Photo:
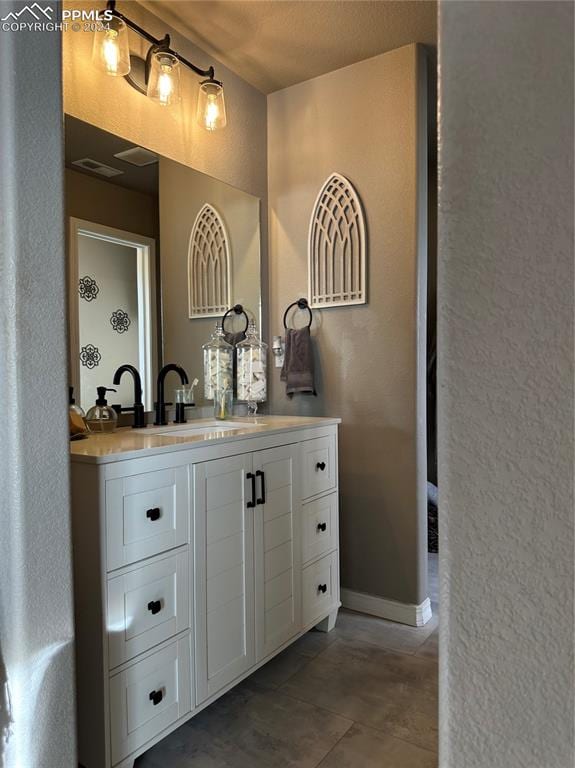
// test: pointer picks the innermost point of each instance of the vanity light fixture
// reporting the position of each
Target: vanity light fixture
(159, 75)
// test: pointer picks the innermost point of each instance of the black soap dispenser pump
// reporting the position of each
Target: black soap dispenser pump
(101, 417)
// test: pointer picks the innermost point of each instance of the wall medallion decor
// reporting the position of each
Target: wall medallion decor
(90, 356)
(209, 266)
(337, 246)
(120, 321)
(88, 288)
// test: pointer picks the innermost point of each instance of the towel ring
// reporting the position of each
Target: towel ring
(239, 310)
(301, 304)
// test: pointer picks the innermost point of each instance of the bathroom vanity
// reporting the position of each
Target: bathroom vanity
(200, 552)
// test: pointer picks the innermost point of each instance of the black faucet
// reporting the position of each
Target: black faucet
(138, 407)
(160, 405)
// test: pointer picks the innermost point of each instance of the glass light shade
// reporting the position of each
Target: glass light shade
(111, 51)
(211, 106)
(164, 79)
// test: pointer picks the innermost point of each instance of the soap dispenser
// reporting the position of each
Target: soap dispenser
(101, 417)
(77, 415)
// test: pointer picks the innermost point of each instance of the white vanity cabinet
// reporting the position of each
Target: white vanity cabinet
(224, 573)
(247, 563)
(195, 563)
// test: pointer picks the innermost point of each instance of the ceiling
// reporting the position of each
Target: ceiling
(83, 140)
(275, 43)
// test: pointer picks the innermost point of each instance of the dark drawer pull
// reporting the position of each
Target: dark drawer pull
(322, 526)
(262, 499)
(322, 588)
(155, 606)
(156, 697)
(153, 514)
(320, 465)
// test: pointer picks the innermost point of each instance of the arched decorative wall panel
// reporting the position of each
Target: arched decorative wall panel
(337, 246)
(209, 265)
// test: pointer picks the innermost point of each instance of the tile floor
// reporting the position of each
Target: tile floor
(362, 696)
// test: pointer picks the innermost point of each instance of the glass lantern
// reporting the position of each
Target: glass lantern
(111, 49)
(252, 369)
(218, 364)
(211, 111)
(164, 80)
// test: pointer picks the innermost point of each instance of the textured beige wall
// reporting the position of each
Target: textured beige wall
(361, 121)
(505, 308)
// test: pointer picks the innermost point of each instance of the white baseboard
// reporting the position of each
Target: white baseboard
(404, 613)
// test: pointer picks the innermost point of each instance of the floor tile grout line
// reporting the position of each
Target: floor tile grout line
(433, 752)
(405, 741)
(277, 686)
(355, 722)
(393, 735)
(328, 753)
(322, 709)
(309, 704)
(386, 649)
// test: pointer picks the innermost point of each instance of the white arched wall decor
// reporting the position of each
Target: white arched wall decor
(209, 265)
(337, 246)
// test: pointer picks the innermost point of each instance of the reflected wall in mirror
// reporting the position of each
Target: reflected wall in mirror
(157, 251)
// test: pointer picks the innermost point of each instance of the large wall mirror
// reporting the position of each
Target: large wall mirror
(158, 252)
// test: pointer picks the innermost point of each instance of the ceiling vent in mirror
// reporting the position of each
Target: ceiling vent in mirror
(137, 156)
(95, 167)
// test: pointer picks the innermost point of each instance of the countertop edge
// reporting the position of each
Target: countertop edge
(128, 455)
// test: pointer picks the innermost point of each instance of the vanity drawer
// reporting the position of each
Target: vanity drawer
(148, 697)
(146, 606)
(145, 515)
(319, 466)
(320, 588)
(319, 527)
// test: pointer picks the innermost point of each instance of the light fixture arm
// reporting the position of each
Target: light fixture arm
(161, 44)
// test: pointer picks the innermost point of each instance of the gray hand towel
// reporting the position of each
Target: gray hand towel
(297, 371)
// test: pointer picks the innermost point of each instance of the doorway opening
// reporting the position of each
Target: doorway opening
(112, 299)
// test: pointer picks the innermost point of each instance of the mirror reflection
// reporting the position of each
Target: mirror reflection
(158, 252)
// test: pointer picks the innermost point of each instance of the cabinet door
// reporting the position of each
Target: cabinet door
(224, 571)
(277, 547)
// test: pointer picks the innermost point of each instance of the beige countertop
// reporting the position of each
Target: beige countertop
(128, 443)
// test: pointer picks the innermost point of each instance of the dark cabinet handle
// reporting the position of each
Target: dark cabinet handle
(154, 606)
(322, 588)
(156, 697)
(322, 526)
(153, 514)
(252, 477)
(262, 499)
(320, 465)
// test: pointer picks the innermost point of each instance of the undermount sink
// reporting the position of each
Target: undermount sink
(191, 430)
